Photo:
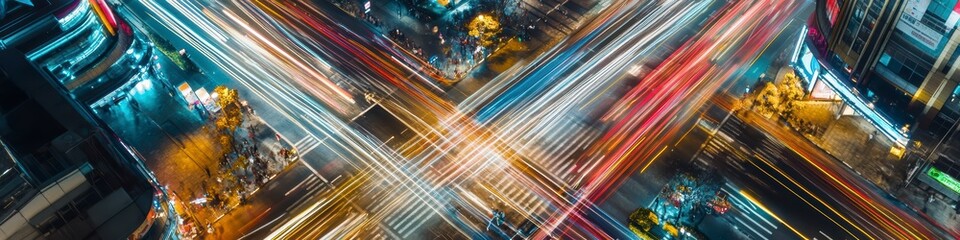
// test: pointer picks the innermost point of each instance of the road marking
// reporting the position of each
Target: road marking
(315, 172)
(825, 235)
(312, 187)
(309, 148)
(770, 43)
(308, 179)
(420, 218)
(303, 198)
(264, 225)
(758, 224)
(737, 165)
(307, 144)
(749, 208)
(751, 228)
(301, 141)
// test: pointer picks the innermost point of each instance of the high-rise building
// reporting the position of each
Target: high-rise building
(63, 174)
(901, 56)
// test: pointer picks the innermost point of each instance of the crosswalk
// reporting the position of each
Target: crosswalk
(413, 213)
(306, 144)
(554, 150)
(555, 18)
(408, 218)
(772, 150)
(745, 215)
(312, 185)
(715, 148)
(520, 196)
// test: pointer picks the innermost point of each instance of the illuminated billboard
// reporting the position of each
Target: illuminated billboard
(911, 25)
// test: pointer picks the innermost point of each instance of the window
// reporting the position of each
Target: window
(43, 165)
(857, 46)
(885, 59)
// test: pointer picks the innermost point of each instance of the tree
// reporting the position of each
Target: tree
(231, 115)
(226, 142)
(167, 49)
(642, 220)
(779, 99)
(791, 90)
(485, 28)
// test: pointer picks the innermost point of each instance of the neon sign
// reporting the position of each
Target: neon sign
(944, 179)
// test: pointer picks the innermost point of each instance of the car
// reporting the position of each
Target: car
(719, 203)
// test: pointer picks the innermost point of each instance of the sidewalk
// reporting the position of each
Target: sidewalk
(849, 138)
(855, 142)
(932, 205)
(172, 139)
(451, 56)
(181, 147)
(227, 182)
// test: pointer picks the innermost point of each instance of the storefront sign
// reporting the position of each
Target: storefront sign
(833, 9)
(911, 26)
(944, 179)
(807, 65)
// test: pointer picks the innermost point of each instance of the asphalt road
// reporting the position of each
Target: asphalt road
(738, 150)
(310, 76)
(797, 188)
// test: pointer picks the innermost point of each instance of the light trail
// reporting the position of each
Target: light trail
(354, 146)
(890, 218)
(514, 128)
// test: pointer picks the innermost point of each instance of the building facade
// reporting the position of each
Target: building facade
(901, 56)
(63, 174)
